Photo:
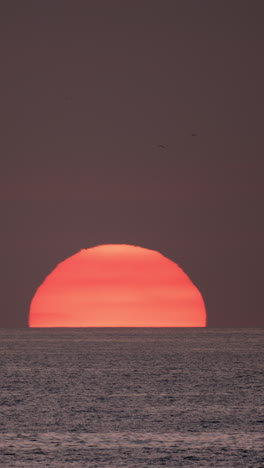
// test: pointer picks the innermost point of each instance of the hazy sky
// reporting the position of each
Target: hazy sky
(89, 89)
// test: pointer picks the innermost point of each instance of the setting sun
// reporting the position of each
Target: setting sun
(117, 286)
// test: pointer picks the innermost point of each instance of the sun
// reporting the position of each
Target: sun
(117, 286)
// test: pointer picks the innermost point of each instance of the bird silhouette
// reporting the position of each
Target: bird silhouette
(162, 146)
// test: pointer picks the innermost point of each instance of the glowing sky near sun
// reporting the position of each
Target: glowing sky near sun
(117, 286)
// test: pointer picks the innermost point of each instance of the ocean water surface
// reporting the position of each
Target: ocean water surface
(121, 397)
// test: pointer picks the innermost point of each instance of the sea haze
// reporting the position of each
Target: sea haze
(131, 397)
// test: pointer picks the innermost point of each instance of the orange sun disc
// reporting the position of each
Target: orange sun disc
(117, 286)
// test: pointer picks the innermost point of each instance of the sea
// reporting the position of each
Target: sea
(131, 397)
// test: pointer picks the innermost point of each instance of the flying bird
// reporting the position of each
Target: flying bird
(194, 134)
(162, 146)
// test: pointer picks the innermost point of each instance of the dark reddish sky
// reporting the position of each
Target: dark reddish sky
(88, 91)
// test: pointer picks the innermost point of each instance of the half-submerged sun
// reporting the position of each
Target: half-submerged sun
(117, 286)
